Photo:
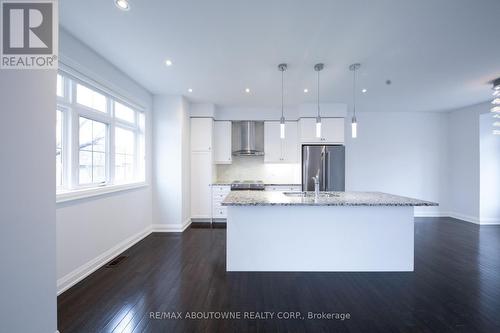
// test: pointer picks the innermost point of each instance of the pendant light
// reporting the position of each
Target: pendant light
(318, 68)
(282, 68)
(496, 107)
(354, 123)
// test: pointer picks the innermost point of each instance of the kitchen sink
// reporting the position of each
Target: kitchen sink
(310, 194)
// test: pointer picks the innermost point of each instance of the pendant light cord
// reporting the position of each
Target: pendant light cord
(318, 93)
(282, 92)
(354, 93)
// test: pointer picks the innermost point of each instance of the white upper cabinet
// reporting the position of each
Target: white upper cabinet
(222, 142)
(332, 130)
(201, 134)
(291, 145)
(277, 150)
(272, 142)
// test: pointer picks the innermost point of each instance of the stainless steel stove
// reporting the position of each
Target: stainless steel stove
(247, 185)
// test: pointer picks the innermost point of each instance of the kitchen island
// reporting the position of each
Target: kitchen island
(334, 232)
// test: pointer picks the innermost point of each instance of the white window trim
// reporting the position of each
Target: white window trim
(71, 189)
(70, 195)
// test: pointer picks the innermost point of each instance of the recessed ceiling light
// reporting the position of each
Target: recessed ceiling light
(190, 90)
(306, 91)
(247, 90)
(168, 62)
(364, 91)
(122, 4)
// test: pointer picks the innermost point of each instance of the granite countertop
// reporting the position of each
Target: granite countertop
(274, 198)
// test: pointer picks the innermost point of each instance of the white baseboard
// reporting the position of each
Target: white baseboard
(172, 227)
(490, 221)
(463, 217)
(430, 214)
(72, 278)
(459, 216)
(474, 219)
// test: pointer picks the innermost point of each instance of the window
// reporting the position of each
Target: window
(90, 98)
(60, 86)
(100, 139)
(124, 155)
(59, 150)
(141, 153)
(124, 113)
(92, 152)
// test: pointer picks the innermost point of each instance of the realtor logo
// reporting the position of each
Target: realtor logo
(29, 34)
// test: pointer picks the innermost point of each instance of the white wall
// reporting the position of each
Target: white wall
(27, 207)
(202, 110)
(463, 167)
(171, 211)
(92, 231)
(401, 153)
(489, 171)
(186, 163)
(75, 54)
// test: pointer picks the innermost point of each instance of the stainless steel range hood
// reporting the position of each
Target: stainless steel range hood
(248, 138)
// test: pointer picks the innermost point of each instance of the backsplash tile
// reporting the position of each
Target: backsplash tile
(254, 168)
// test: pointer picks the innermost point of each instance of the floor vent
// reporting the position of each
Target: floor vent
(116, 262)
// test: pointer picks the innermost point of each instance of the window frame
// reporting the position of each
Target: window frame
(71, 113)
(63, 149)
(134, 156)
(77, 151)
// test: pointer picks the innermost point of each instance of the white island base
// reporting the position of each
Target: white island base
(320, 238)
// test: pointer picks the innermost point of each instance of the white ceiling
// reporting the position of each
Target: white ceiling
(438, 54)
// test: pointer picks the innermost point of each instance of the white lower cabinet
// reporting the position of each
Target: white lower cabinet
(219, 193)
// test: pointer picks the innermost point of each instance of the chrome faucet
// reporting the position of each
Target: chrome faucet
(316, 186)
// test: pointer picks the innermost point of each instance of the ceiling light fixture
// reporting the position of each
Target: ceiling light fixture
(496, 106)
(306, 91)
(247, 90)
(168, 62)
(364, 91)
(318, 68)
(282, 68)
(354, 123)
(122, 4)
(190, 90)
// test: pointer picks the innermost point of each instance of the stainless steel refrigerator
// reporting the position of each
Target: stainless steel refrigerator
(327, 162)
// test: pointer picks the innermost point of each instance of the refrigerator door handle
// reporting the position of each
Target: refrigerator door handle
(323, 166)
(326, 171)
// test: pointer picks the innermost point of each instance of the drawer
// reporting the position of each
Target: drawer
(219, 213)
(218, 196)
(284, 188)
(221, 189)
(217, 203)
(272, 188)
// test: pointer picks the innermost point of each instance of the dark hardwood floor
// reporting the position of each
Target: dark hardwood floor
(455, 288)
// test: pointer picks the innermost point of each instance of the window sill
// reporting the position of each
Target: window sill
(71, 195)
